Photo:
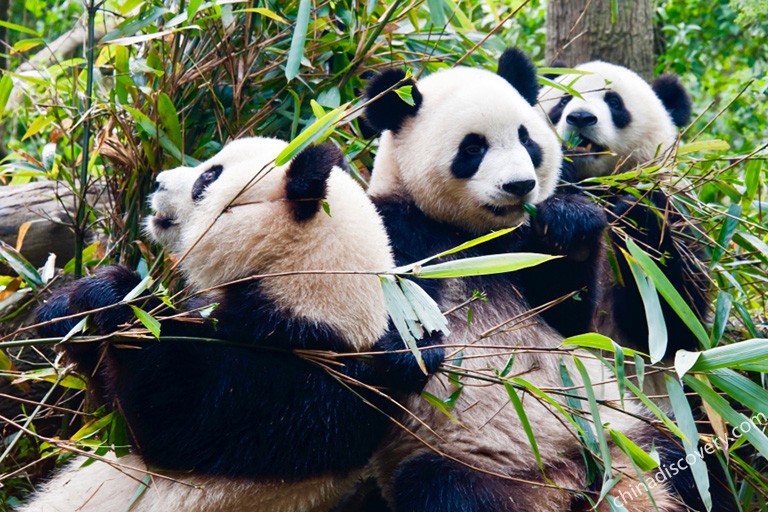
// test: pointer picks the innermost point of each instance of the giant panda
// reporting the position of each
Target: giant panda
(250, 423)
(460, 159)
(617, 123)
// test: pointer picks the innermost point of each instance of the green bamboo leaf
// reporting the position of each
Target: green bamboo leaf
(581, 426)
(687, 424)
(722, 313)
(668, 291)
(70, 381)
(644, 461)
(703, 145)
(523, 417)
(602, 441)
(135, 24)
(5, 361)
(751, 243)
(439, 405)
(752, 181)
(743, 425)
(138, 289)
(657, 327)
(169, 118)
(143, 486)
(585, 431)
(150, 322)
(733, 356)
(437, 13)
(20, 265)
(18, 28)
(483, 265)
(146, 125)
(296, 53)
(6, 86)
(727, 230)
(192, 8)
(597, 341)
(311, 134)
(264, 12)
(458, 248)
(92, 427)
(741, 389)
(405, 93)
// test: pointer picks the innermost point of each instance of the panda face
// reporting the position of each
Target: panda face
(189, 200)
(473, 154)
(618, 122)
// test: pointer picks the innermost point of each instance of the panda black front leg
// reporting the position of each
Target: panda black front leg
(571, 226)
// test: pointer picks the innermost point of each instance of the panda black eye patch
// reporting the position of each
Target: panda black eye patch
(204, 180)
(472, 149)
(619, 113)
(533, 149)
(557, 111)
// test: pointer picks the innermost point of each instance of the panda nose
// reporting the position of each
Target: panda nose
(519, 188)
(581, 118)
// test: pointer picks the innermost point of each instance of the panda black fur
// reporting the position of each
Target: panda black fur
(458, 163)
(619, 113)
(251, 429)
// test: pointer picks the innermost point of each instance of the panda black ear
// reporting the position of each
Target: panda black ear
(308, 177)
(390, 111)
(516, 68)
(675, 98)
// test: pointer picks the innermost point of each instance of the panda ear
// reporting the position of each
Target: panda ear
(516, 68)
(675, 98)
(308, 177)
(389, 112)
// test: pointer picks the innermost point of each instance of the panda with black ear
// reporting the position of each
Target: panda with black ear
(250, 423)
(462, 160)
(620, 122)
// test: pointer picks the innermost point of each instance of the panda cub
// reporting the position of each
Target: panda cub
(618, 123)
(464, 159)
(250, 423)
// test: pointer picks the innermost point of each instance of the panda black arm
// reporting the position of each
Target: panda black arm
(256, 407)
(649, 225)
(571, 226)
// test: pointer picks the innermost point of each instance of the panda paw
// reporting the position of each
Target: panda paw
(109, 286)
(400, 370)
(569, 225)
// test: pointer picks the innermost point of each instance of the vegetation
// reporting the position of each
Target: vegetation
(169, 82)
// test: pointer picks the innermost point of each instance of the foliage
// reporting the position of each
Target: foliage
(173, 81)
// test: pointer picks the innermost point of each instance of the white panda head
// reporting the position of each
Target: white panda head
(620, 120)
(237, 215)
(471, 150)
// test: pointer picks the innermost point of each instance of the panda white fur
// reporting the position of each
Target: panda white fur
(458, 163)
(618, 123)
(249, 429)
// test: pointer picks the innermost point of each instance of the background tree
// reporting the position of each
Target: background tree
(619, 32)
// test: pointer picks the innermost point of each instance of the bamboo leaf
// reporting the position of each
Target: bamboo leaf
(734, 355)
(138, 289)
(523, 417)
(727, 230)
(296, 53)
(439, 405)
(311, 134)
(6, 86)
(597, 341)
(169, 118)
(703, 145)
(426, 309)
(150, 322)
(687, 424)
(657, 327)
(404, 318)
(267, 13)
(483, 265)
(602, 441)
(644, 461)
(92, 427)
(741, 389)
(458, 248)
(18, 28)
(722, 312)
(668, 291)
(684, 361)
(20, 265)
(436, 13)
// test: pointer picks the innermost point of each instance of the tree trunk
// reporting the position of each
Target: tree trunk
(579, 31)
